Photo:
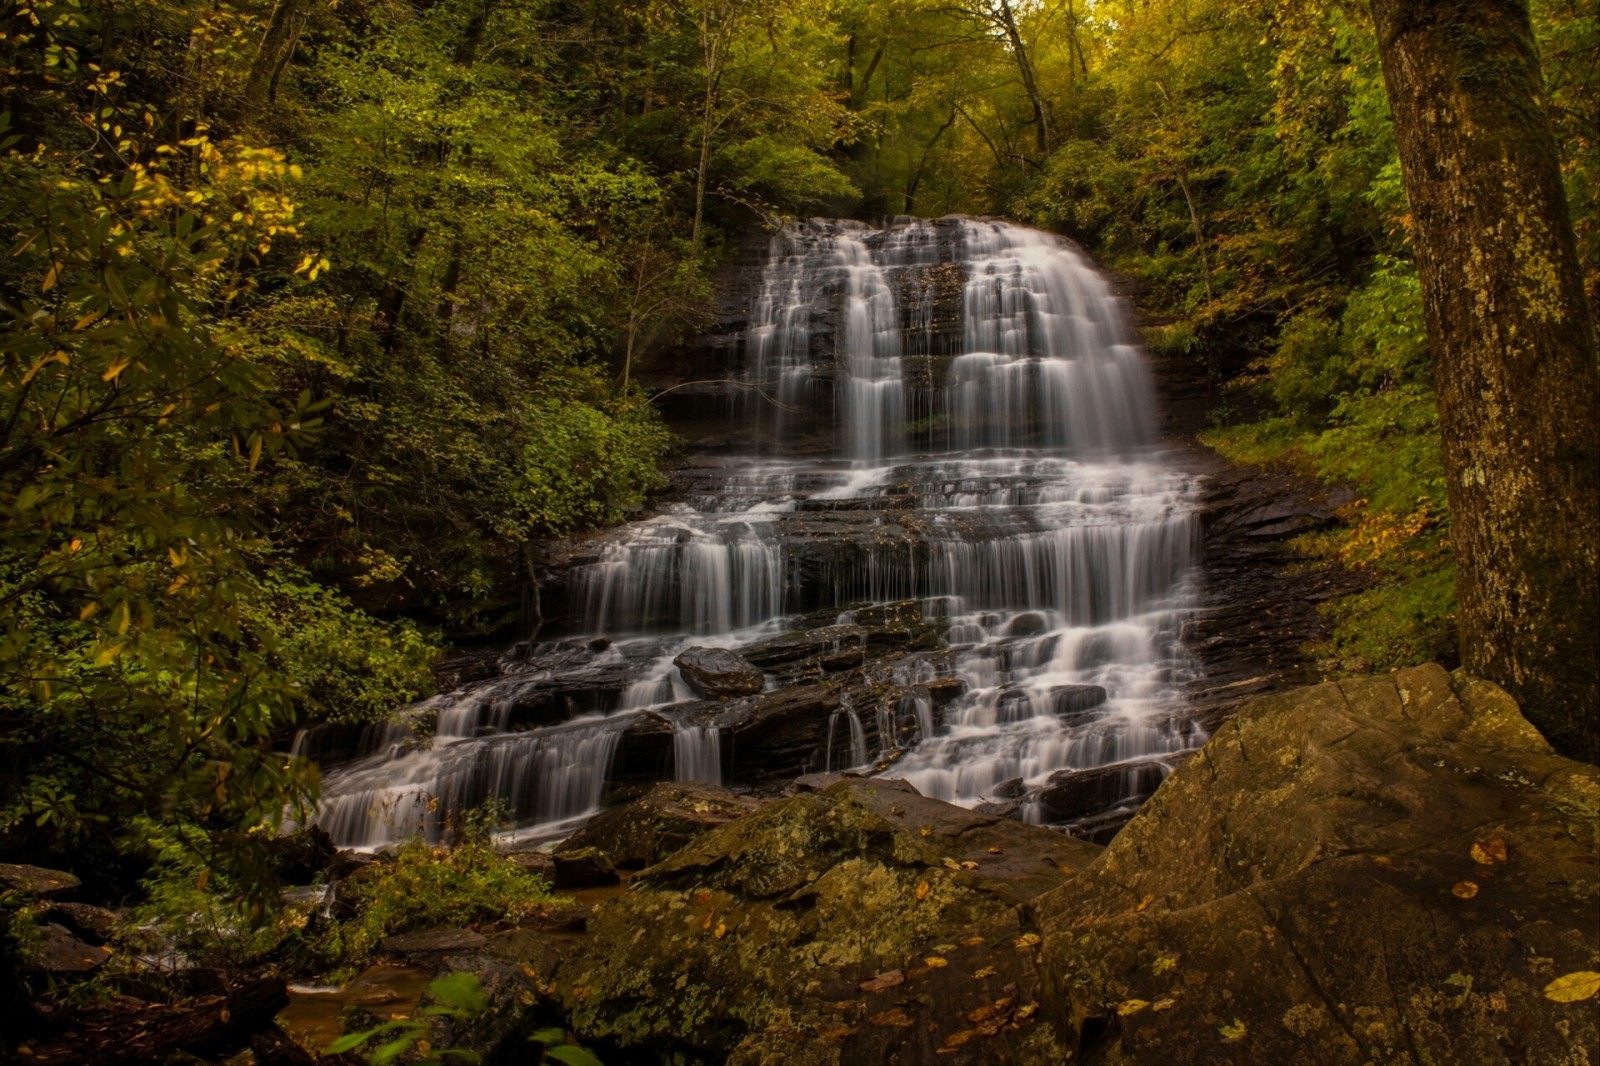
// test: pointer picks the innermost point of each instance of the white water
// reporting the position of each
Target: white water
(1002, 470)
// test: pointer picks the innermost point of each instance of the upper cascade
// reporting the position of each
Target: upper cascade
(953, 521)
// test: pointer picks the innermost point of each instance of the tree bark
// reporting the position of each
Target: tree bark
(1043, 126)
(1513, 350)
(283, 30)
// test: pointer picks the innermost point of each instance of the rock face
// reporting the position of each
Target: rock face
(854, 924)
(1393, 869)
(666, 818)
(1384, 870)
(715, 672)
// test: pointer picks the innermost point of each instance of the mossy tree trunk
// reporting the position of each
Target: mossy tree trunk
(1513, 348)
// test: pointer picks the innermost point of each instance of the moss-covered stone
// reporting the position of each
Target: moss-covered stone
(1389, 869)
(846, 925)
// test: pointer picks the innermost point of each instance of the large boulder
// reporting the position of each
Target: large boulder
(1394, 869)
(717, 672)
(861, 923)
(669, 816)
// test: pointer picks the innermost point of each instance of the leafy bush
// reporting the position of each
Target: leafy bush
(425, 887)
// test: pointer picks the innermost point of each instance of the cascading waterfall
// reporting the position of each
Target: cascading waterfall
(994, 459)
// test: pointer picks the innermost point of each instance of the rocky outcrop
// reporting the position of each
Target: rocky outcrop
(853, 924)
(1395, 869)
(666, 818)
(717, 672)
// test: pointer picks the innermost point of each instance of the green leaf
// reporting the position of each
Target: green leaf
(572, 1055)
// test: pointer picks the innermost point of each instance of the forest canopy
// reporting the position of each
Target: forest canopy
(319, 317)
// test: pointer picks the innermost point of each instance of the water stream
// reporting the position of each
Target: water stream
(988, 461)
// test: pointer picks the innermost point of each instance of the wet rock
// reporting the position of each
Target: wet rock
(1074, 702)
(55, 951)
(431, 942)
(36, 880)
(669, 816)
(862, 923)
(583, 867)
(714, 672)
(535, 862)
(797, 647)
(1069, 795)
(1390, 869)
(94, 924)
(300, 857)
(1028, 624)
(818, 782)
(1006, 790)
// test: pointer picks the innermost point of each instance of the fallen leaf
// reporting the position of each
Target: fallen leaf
(710, 914)
(997, 850)
(1464, 889)
(844, 1005)
(1231, 1033)
(1131, 1006)
(893, 1016)
(1026, 940)
(1163, 964)
(972, 941)
(837, 1034)
(1491, 852)
(951, 864)
(1164, 1004)
(987, 971)
(922, 890)
(1383, 860)
(955, 1040)
(934, 962)
(1143, 903)
(1573, 987)
(944, 949)
(884, 980)
(1026, 1011)
(925, 831)
(721, 930)
(969, 865)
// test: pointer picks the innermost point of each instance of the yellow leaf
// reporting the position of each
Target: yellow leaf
(1464, 889)
(1231, 1033)
(972, 941)
(1163, 1004)
(969, 865)
(1489, 852)
(1026, 940)
(50, 277)
(922, 890)
(88, 611)
(107, 654)
(255, 451)
(74, 544)
(721, 930)
(1131, 1006)
(987, 971)
(996, 850)
(1573, 987)
(1143, 903)
(1163, 964)
(115, 370)
(925, 831)
(935, 962)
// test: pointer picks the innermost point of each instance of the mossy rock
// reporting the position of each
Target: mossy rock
(848, 925)
(1391, 869)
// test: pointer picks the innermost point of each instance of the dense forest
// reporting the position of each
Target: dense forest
(321, 318)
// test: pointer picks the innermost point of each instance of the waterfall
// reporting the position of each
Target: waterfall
(951, 413)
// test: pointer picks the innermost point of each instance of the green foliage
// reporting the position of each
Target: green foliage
(556, 1048)
(455, 995)
(425, 887)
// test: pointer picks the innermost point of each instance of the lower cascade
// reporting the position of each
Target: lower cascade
(940, 525)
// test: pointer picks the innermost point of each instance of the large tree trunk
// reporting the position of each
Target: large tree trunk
(1513, 351)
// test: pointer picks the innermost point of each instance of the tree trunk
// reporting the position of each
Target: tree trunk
(1042, 124)
(283, 30)
(1513, 351)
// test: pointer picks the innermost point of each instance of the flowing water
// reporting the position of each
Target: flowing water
(949, 413)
